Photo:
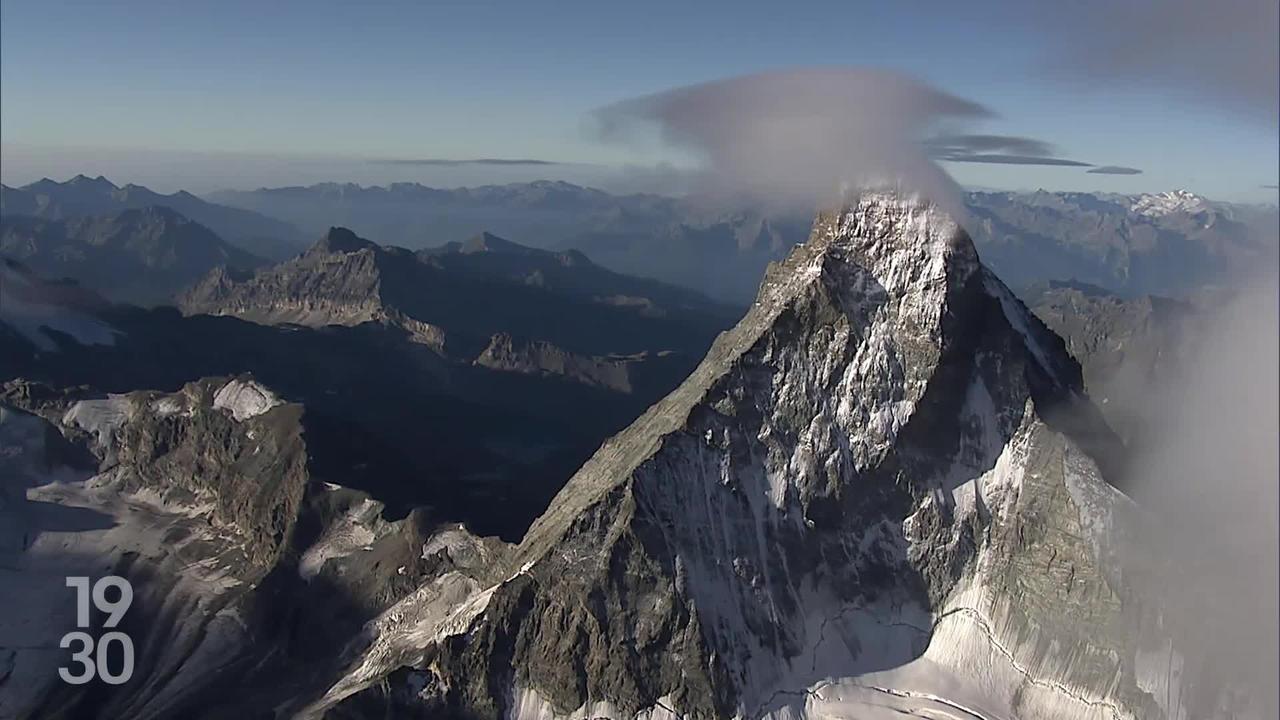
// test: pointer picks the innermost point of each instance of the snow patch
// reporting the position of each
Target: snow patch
(100, 418)
(1167, 203)
(528, 704)
(23, 308)
(352, 531)
(245, 399)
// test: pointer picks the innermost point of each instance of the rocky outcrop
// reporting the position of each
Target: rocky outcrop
(470, 290)
(336, 282)
(248, 576)
(542, 358)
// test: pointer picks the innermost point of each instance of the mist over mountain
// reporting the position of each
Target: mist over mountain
(1130, 348)
(83, 196)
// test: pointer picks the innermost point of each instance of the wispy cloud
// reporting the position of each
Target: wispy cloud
(1114, 170)
(1001, 159)
(1225, 51)
(445, 162)
(996, 149)
(990, 143)
(1270, 187)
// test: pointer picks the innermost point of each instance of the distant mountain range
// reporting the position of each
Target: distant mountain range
(466, 293)
(83, 196)
(720, 253)
(139, 255)
(1169, 243)
(486, 371)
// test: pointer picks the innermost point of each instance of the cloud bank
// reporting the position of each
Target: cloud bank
(1000, 159)
(1209, 477)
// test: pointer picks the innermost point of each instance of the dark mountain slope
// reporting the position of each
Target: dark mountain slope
(143, 256)
(469, 292)
(82, 196)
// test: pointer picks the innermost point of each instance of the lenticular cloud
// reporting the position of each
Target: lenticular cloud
(798, 136)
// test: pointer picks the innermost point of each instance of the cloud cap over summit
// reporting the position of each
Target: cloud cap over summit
(797, 136)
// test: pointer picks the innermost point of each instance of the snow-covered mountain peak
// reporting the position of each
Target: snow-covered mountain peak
(884, 469)
(1172, 201)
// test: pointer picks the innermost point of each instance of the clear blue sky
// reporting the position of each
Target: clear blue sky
(416, 79)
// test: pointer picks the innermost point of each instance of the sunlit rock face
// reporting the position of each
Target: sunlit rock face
(879, 492)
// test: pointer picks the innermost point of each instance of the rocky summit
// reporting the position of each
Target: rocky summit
(879, 493)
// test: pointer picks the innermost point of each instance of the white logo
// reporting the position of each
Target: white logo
(98, 664)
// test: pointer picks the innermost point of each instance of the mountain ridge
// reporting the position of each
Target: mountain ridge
(80, 196)
(143, 255)
(346, 280)
(849, 459)
(1025, 237)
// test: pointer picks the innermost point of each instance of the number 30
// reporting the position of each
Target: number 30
(91, 666)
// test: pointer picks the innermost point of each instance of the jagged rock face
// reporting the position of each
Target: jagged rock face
(875, 487)
(190, 502)
(337, 282)
(249, 577)
(542, 358)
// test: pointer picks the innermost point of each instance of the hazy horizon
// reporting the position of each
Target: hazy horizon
(238, 172)
(240, 96)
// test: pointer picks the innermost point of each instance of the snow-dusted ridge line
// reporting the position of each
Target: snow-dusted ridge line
(883, 229)
(1169, 202)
